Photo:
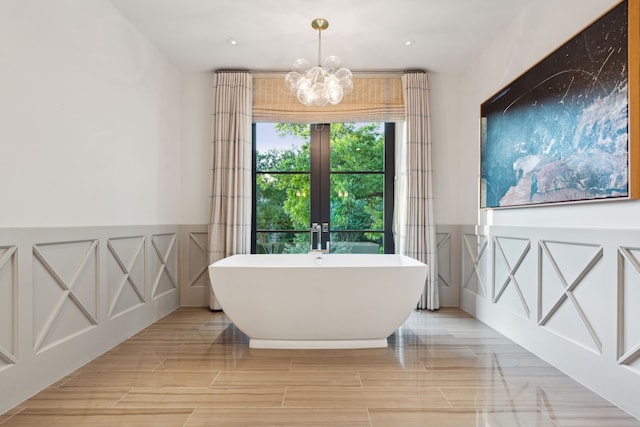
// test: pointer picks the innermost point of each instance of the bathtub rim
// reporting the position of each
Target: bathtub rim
(398, 260)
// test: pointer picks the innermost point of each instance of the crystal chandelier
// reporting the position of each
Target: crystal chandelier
(326, 83)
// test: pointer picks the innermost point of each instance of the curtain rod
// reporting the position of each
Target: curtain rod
(222, 70)
(274, 73)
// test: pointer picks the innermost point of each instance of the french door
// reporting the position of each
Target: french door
(339, 176)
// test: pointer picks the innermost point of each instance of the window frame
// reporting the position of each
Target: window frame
(320, 176)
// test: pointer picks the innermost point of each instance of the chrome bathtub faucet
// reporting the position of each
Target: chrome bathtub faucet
(317, 230)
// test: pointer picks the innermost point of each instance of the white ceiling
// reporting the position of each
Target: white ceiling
(366, 34)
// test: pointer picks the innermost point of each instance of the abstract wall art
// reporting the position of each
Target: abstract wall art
(564, 131)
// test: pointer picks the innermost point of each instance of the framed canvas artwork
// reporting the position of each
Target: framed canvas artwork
(566, 129)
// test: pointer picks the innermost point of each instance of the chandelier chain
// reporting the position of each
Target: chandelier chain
(319, 46)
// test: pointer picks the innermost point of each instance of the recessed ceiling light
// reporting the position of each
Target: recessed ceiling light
(409, 42)
(232, 41)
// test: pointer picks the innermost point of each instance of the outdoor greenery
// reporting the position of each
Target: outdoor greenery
(356, 198)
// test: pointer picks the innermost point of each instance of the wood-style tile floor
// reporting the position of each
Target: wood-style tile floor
(194, 368)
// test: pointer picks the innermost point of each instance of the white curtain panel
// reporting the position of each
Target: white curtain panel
(231, 150)
(414, 226)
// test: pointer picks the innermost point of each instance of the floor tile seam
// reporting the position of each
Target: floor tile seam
(466, 369)
(399, 370)
(408, 387)
(459, 409)
(280, 372)
(445, 397)
(11, 416)
(369, 389)
(177, 371)
(160, 363)
(496, 407)
(186, 422)
(115, 404)
(68, 378)
(56, 413)
(559, 419)
(194, 408)
(369, 407)
(199, 389)
(547, 417)
(299, 386)
(198, 405)
(508, 394)
(471, 387)
(359, 375)
(222, 406)
(369, 417)
(284, 397)
(214, 379)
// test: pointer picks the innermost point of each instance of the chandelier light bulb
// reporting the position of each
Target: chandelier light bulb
(326, 83)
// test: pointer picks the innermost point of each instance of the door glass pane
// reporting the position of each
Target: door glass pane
(282, 147)
(357, 242)
(357, 202)
(282, 201)
(282, 243)
(357, 147)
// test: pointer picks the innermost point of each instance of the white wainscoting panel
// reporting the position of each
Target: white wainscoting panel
(474, 264)
(445, 281)
(568, 284)
(198, 265)
(198, 260)
(194, 262)
(65, 289)
(448, 244)
(514, 268)
(571, 296)
(8, 306)
(164, 264)
(629, 307)
(125, 274)
(69, 294)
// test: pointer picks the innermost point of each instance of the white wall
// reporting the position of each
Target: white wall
(90, 113)
(446, 112)
(197, 105)
(89, 188)
(560, 280)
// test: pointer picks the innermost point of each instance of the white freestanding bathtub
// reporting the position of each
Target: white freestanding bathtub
(318, 300)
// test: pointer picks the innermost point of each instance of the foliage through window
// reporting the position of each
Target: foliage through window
(340, 175)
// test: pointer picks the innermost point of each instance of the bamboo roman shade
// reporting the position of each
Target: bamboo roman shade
(373, 99)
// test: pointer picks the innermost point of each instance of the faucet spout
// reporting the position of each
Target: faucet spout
(316, 229)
